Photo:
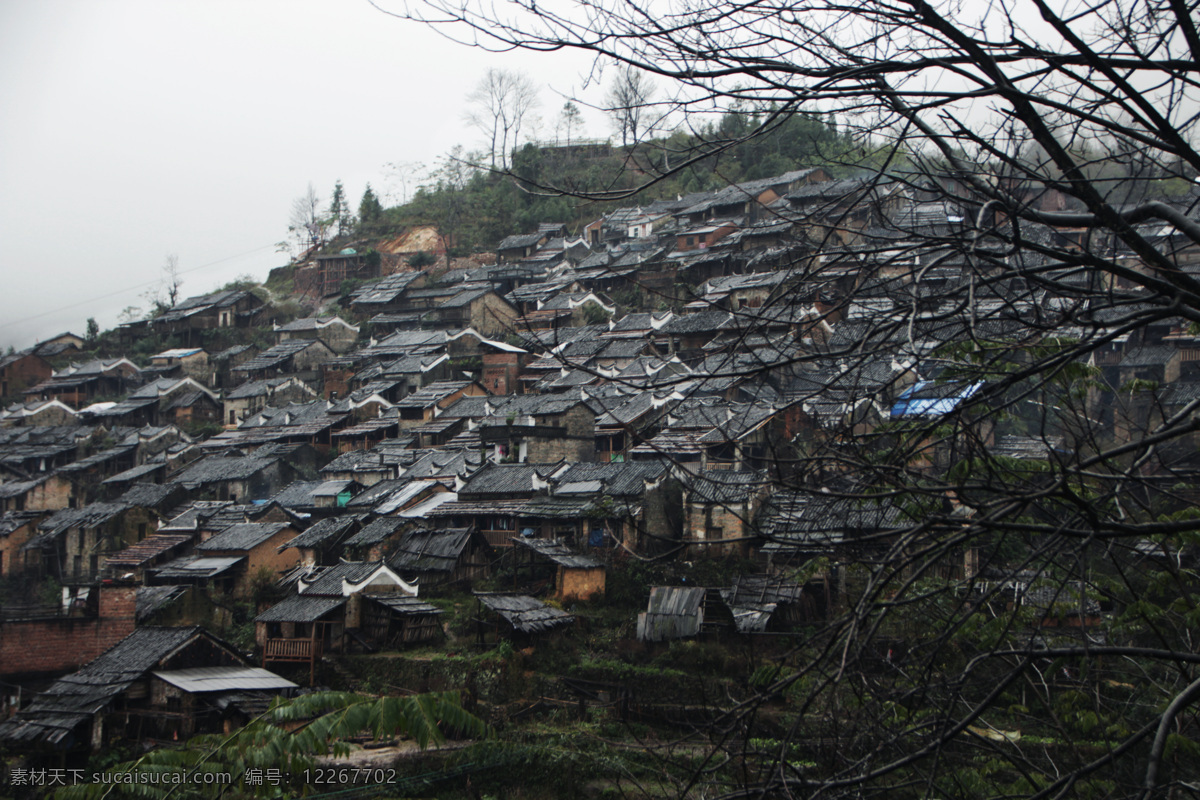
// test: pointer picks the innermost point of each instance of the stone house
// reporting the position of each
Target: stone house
(335, 332)
(412, 372)
(39, 413)
(16, 528)
(72, 544)
(260, 545)
(719, 507)
(519, 246)
(541, 429)
(191, 361)
(160, 402)
(426, 404)
(480, 309)
(233, 308)
(300, 357)
(253, 396)
(223, 362)
(80, 384)
(322, 542)
(387, 295)
(232, 477)
(19, 371)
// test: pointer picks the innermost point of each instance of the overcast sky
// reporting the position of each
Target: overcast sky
(133, 130)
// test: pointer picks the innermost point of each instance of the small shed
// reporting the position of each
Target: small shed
(526, 616)
(762, 603)
(674, 612)
(576, 577)
(395, 620)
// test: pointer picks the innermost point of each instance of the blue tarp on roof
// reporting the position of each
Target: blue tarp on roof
(929, 399)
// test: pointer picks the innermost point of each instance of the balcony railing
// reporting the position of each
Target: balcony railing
(305, 650)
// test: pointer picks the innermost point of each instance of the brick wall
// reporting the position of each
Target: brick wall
(51, 495)
(580, 584)
(59, 645)
(579, 443)
(500, 371)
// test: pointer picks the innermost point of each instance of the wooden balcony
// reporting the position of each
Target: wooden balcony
(298, 650)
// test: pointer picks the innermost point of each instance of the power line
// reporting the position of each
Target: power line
(126, 290)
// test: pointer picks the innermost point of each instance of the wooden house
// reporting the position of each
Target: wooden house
(517, 617)
(575, 576)
(441, 558)
(157, 685)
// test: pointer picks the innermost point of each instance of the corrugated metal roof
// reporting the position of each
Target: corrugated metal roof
(197, 567)
(753, 599)
(221, 679)
(673, 612)
(405, 494)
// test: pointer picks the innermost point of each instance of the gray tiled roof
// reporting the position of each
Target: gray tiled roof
(504, 479)
(71, 701)
(558, 552)
(278, 354)
(325, 532)
(214, 469)
(375, 532)
(723, 486)
(526, 614)
(243, 536)
(430, 550)
(327, 581)
(300, 608)
(619, 479)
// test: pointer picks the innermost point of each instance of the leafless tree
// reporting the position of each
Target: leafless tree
(629, 103)
(1045, 152)
(500, 107)
(307, 222)
(165, 295)
(172, 283)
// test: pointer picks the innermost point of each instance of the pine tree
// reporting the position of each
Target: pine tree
(370, 213)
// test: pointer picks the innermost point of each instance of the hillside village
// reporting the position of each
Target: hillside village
(644, 431)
